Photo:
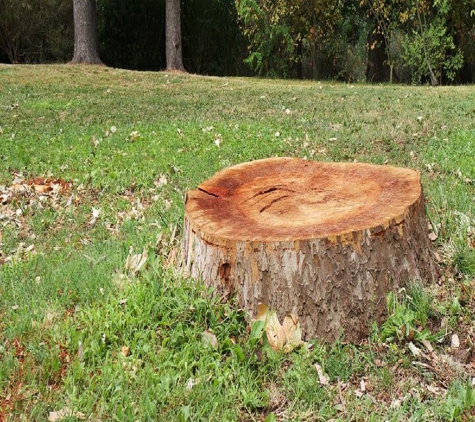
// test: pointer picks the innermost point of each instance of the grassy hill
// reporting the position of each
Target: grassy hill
(94, 166)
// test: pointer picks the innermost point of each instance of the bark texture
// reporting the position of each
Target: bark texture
(174, 53)
(323, 241)
(86, 46)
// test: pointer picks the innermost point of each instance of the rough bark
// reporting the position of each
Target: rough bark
(323, 241)
(86, 46)
(174, 52)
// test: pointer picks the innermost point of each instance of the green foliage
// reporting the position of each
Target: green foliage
(464, 261)
(459, 401)
(44, 37)
(432, 46)
(408, 315)
(272, 42)
(283, 34)
(423, 38)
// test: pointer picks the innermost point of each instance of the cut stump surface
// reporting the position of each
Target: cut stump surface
(323, 241)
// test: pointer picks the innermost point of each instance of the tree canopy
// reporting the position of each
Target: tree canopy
(415, 41)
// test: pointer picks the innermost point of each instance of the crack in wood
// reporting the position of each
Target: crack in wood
(208, 193)
(266, 192)
(273, 202)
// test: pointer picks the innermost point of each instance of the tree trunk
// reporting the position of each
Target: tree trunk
(173, 36)
(86, 45)
(377, 69)
(323, 241)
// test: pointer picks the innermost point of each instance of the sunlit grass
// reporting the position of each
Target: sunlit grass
(79, 331)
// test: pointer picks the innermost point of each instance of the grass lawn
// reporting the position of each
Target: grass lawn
(94, 166)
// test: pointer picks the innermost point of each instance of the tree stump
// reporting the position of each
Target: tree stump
(323, 241)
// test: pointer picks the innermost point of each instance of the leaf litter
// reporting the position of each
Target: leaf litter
(286, 336)
(26, 196)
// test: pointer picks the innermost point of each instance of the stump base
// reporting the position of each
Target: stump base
(323, 241)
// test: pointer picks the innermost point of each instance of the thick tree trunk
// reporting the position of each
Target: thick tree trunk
(173, 36)
(323, 241)
(86, 47)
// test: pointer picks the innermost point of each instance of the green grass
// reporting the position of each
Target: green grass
(78, 330)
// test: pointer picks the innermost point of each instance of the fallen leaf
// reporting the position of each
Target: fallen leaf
(273, 328)
(322, 377)
(161, 181)
(96, 212)
(191, 383)
(292, 333)
(135, 262)
(435, 390)
(210, 338)
(80, 351)
(286, 336)
(432, 236)
(427, 345)
(65, 413)
(455, 342)
(414, 349)
(125, 351)
(133, 136)
(395, 404)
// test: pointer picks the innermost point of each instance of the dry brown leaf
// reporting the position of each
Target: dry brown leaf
(292, 332)
(322, 377)
(262, 310)
(427, 345)
(64, 413)
(455, 342)
(414, 349)
(135, 262)
(275, 332)
(210, 338)
(286, 336)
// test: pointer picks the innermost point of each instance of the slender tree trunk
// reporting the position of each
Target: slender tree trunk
(174, 51)
(433, 78)
(86, 45)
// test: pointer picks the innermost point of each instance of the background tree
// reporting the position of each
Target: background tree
(45, 36)
(132, 33)
(319, 39)
(280, 31)
(461, 19)
(271, 37)
(429, 46)
(385, 20)
(86, 46)
(174, 48)
(212, 41)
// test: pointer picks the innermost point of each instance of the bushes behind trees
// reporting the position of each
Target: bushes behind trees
(353, 40)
